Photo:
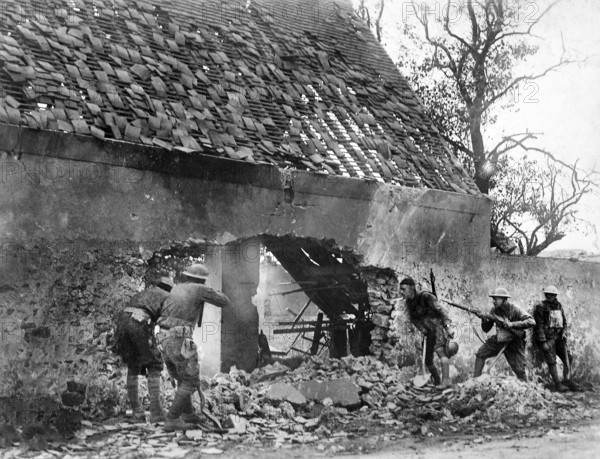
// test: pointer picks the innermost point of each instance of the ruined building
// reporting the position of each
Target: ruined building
(137, 134)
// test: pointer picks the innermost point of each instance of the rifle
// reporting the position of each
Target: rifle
(432, 280)
(482, 315)
(477, 312)
(474, 311)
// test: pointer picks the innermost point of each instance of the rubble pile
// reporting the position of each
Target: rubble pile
(349, 383)
(323, 402)
(497, 399)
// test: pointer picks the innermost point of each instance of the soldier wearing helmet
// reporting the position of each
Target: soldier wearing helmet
(549, 335)
(511, 323)
(136, 344)
(182, 310)
(431, 319)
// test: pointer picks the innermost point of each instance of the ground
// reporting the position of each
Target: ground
(360, 433)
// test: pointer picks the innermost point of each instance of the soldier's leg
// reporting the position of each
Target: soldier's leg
(490, 348)
(562, 352)
(133, 372)
(445, 367)
(188, 372)
(430, 343)
(192, 374)
(151, 357)
(515, 356)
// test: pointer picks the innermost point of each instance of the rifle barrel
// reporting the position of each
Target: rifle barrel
(460, 306)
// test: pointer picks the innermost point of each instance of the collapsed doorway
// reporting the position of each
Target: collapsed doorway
(330, 280)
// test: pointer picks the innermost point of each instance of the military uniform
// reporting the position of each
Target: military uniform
(431, 319)
(134, 334)
(513, 338)
(182, 310)
(549, 335)
(136, 344)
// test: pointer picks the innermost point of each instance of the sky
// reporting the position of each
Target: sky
(564, 106)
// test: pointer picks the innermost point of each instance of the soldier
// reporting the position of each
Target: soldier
(431, 319)
(136, 344)
(549, 334)
(511, 323)
(182, 310)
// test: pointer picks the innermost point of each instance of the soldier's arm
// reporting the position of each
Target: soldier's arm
(216, 298)
(538, 316)
(523, 320)
(486, 324)
(439, 310)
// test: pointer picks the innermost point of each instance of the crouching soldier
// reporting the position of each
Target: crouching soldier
(511, 323)
(136, 344)
(431, 319)
(549, 334)
(182, 310)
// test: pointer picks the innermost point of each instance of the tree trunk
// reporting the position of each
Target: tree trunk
(482, 179)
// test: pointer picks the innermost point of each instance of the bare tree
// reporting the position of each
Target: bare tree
(364, 12)
(477, 61)
(466, 78)
(536, 205)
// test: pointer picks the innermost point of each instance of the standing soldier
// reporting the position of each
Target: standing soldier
(182, 310)
(549, 334)
(136, 344)
(511, 323)
(431, 319)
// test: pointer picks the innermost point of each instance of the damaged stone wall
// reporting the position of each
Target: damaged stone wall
(57, 300)
(93, 226)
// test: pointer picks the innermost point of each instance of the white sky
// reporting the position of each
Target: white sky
(565, 105)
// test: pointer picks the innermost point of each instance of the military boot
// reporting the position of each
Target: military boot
(445, 376)
(560, 387)
(435, 375)
(173, 420)
(156, 412)
(189, 414)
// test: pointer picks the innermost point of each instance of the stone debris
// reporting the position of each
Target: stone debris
(320, 402)
(342, 392)
(284, 392)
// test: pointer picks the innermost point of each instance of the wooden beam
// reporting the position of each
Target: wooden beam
(317, 335)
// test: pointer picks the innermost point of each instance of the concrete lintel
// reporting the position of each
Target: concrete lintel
(61, 145)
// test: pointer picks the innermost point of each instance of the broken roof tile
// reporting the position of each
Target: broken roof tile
(255, 80)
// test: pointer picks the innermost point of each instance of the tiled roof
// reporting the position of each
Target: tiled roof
(302, 85)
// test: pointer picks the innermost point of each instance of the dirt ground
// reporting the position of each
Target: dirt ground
(581, 441)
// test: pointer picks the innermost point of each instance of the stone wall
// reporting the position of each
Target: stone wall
(56, 305)
(524, 278)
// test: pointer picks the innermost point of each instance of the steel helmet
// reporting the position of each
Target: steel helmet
(451, 348)
(197, 271)
(551, 289)
(500, 292)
